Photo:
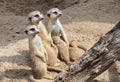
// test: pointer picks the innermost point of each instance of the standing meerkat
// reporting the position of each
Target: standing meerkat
(74, 51)
(38, 55)
(37, 52)
(35, 18)
(63, 49)
(54, 26)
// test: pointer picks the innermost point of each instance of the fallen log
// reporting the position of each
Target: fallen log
(94, 61)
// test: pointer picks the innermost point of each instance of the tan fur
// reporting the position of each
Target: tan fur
(52, 51)
(51, 68)
(52, 57)
(62, 49)
(47, 41)
(53, 25)
(74, 51)
(37, 52)
(81, 46)
(32, 79)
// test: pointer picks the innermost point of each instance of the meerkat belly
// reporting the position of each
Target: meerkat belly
(39, 68)
(38, 44)
(55, 30)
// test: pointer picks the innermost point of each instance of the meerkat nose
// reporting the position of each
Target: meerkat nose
(41, 18)
(37, 32)
(59, 15)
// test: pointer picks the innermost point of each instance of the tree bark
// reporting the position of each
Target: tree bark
(94, 61)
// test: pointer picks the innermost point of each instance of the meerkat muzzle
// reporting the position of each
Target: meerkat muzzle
(37, 32)
(41, 18)
(59, 15)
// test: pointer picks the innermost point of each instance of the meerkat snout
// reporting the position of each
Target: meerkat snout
(35, 16)
(54, 13)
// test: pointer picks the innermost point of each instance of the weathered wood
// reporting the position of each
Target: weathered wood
(94, 61)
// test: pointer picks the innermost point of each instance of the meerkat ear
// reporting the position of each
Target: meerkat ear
(48, 15)
(56, 6)
(30, 18)
(26, 32)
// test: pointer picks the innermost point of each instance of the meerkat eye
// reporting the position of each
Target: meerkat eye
(30, 18)
(37, 16)
(32, 29)
(55, 12)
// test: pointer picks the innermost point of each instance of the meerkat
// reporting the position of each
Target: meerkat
(54, 26)
(37, 52)
(74, 51)
(62, 48)
(35, 18)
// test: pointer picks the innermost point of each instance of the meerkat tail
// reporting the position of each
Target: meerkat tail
(48, 78)
(82, 47)
(51, 68)
(32, 79)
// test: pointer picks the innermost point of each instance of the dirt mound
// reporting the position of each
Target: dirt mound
(86, 22)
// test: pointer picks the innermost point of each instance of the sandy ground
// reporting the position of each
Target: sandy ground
(85, 22)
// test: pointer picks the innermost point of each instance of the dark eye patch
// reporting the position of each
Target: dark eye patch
(36, 16)
(55, 12)
(32, 29)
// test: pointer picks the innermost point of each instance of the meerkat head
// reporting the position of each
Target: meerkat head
(35, 16)
(31, 30)
(54, 13)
